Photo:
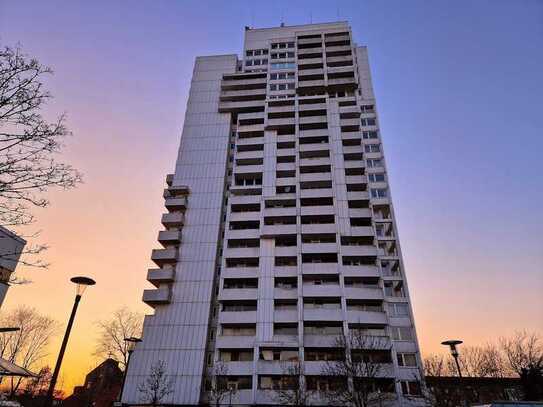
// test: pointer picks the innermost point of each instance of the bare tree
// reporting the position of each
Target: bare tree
(358, 375)
(292, 390)
(29, 145)
(522, 350)
(157, 386)
(28, 346)
(123, 324)
(217, 386)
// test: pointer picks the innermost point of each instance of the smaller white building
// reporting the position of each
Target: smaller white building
(11, 247)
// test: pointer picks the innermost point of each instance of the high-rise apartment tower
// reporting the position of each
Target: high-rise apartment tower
(279, 234)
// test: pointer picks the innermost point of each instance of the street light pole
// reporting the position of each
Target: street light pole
(82, 283)
(131, 342)
(454, 352)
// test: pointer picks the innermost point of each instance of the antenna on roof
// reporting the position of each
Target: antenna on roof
(282, 19)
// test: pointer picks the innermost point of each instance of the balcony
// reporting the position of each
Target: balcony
(314, 147)
(285, 294)
(315, 193)
(249, 128)
(157, 296)
(365, 250)
(364, 293)
(289, 211)
(360, 271)
(174, 219)
(161, 276)
(309, 61)
(232, 252)
(164, 256)
(237, 317)
(352, 123)
(240, 272)
(319, 228)
(239, 368)
(242, 106)
(355, 195)
(176, 190)
(169, 237)
(317, 210)
(244, 199)
(323, 314)
(278, 230)
(175, 203)
(305, 51)
(287, 251)
(360, 213)
(285, 271)
(366, 317)
(234, 342)
(273, 367)
(316, 176)
(303, 41)
(285, 315)
(324, 290)
(249, 154)
(312, 132)
(315, 161)
(242, 234)
(340, 60)
(234, 95)
(245, 141)
(313, 119)
(319, 341)
(319, 248)
(281, 122)
(229, 294)
(320, 268)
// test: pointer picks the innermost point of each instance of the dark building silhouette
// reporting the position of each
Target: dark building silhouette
(450, 391)
(101, 388)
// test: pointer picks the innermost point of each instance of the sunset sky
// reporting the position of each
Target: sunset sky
(458, 86)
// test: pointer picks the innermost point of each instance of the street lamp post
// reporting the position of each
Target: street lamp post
(454, 352)
(81, 283)
(131, 345)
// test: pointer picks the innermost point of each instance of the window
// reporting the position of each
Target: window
(257, 52)
(407, 359)
(256, 62)
(323, 330)
(372, 148)
(378, 193)
(285, 329)
(368, 121)
(401, 333)
(398, 309)
(375, 163)
(367, 109)
(369, 134)
(249, 53)
(283, 65)
(248, 63)
(411, 388)
(376, 177)
(273, 87)
(394, 289)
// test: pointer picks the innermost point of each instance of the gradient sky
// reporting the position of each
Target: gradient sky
(458, 86)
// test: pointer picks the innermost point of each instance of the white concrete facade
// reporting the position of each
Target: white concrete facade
(11, 247)
(280, 232)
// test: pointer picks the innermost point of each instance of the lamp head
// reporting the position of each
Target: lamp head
(131, 343)
(451, 343)
(82, 283)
